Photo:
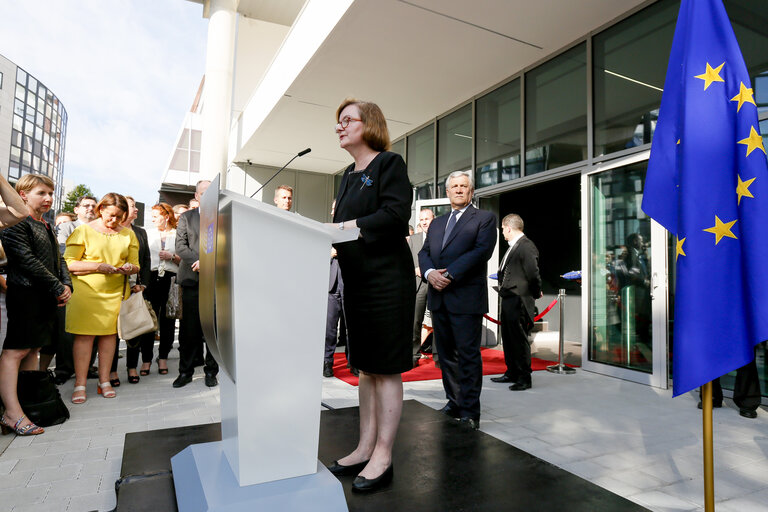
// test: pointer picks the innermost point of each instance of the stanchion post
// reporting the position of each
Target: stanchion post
(560, 366)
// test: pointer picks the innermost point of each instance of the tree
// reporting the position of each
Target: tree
(71, 200)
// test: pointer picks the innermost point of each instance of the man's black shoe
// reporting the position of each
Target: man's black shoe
(748, 413)
(60, 378)
(470, 422)
(327, 369)
(210, 380)
(449, 410)
(520, 386)
(503, 378)
(715, 405)
(93, 372)
(182, 380)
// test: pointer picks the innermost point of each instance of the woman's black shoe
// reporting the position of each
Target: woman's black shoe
(362, 484)
(339, 470)
(133, 379)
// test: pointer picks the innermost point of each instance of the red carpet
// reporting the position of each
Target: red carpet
(493, 364)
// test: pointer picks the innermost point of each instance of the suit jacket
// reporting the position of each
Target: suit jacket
(335, 284)
(145, 261)
(63, 231)
(465, 256)
(415, 243)
(188, 247)
(520, 275)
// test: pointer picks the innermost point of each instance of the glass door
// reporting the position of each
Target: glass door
(626, 278)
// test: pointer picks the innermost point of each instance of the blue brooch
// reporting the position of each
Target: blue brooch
(367, 181)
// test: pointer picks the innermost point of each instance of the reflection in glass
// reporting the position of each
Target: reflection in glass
(556, 112)
(630, 63)
(497, 125)
(454, 145)
(421, 161)
(620, 295)
(399, 147)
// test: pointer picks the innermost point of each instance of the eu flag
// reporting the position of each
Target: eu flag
(707, 183)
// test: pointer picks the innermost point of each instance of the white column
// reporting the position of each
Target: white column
(217, 105)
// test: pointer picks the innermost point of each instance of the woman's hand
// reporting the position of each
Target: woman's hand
(138, 288)
(127, 269)
(166, 255)
(106, 268)
(64, 297)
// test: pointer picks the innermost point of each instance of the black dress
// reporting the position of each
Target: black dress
(377, 269)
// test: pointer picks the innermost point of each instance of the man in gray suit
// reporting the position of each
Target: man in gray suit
(519, 287)
(191, 339)
(415, 243)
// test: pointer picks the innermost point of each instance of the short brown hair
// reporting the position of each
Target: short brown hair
(166, 210)
(30, 181)
(283, 187)
(514, 221)
(113, 199)
(375, 131)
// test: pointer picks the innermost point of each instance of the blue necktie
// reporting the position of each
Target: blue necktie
(450, 226)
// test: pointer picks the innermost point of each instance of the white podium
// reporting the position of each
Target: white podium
(263, 298)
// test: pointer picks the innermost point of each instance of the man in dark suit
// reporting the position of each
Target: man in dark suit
(454, 260)
(519, 287)
(191, 339)
(334, 314)
(415, 243)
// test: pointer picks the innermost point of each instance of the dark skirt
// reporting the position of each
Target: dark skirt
(379, 301)
(31, 318)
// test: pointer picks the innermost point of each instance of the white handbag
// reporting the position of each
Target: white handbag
(136, 316)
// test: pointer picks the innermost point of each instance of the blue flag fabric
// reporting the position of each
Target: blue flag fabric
(707, 183)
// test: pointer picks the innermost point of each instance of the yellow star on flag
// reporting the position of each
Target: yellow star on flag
(744, 96)
(679, 251)
(711, 75)
(742, 189)
(721, 229)
(753, 142)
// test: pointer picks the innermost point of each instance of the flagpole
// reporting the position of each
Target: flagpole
(709, 473)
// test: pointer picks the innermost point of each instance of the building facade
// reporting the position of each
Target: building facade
(33, 128)
(553, 110)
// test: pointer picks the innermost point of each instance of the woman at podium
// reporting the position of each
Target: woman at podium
(379, 293)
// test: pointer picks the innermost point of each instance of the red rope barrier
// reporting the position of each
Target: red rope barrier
(538, 317)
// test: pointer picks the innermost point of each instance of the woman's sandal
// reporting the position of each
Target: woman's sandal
(79, 399)
(162, 371)
(106, 390)
(115, 382)
(133, 379)
(144, 372)
(27, 430)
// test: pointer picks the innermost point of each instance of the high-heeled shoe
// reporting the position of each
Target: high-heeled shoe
(144, 372)
(339, 470)
(115, 382)
(105, 389)
(79, 399)
(27, 430)
(362, 484)
(133, 379)
(162, 371)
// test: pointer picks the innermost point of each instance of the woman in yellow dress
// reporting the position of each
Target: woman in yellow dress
(100, 256)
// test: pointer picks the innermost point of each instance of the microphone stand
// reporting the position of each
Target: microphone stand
(300, 153)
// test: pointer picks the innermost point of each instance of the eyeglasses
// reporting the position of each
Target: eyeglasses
(344, 121)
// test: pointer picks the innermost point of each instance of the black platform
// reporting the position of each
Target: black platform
(440, 466)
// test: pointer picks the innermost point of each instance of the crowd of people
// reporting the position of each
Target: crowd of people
(66, 282)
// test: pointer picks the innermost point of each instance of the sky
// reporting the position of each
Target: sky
(126, 71)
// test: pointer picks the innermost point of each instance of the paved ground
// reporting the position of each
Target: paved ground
(631, 439)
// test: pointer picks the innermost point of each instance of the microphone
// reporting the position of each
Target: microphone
(300, 153)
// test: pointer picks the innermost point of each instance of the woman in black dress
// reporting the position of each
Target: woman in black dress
(379, 293)
(38, 282)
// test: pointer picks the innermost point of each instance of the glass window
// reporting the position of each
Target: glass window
(183, 140)
(180, 160)
(13, 170)
(421, 161)
(26, 158)
(194, 161)
(21, 92)
(620, 299)
(15, 154)
(21, 76)
(556, 112)
(454, 145)
(197, 138)
(18, 107)
(1, 79)
(32, 84)
(18, 122)
(16, 138)
(497, 128)
(630, 63)
(399, 148)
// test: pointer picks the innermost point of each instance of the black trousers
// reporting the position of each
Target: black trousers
(746, 389)
(418, 318)
(62, 345)
(191, 340)
(514, 334)
(335, 327)
(458, 338)
(157, 294)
